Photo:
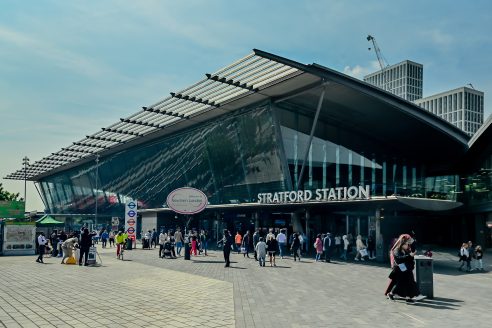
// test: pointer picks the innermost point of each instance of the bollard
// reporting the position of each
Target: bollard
(424, 270)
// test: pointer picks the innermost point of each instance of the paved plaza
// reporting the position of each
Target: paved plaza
(147, 291)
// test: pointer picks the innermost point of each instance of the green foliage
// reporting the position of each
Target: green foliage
(8, 196)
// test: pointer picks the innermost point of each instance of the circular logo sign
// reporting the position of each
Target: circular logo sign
(131, 222)
(131, 230)
(131, 213)
(131, 205)
(187, 200)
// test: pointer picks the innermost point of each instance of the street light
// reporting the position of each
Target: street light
(97, 190)
(25, 162)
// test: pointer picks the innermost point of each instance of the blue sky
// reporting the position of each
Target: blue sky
(68, 68)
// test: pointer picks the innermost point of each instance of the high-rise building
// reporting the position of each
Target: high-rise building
(462, 107)
(403, 79)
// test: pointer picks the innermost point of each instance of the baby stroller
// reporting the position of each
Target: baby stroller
(167, 250)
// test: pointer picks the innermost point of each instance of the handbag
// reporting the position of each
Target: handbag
(363, 252)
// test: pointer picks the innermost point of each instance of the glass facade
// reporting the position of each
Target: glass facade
(231, 160)
(478, 185)
(340, 158)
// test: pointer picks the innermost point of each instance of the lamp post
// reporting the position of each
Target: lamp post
(97, 190)
(25, 162)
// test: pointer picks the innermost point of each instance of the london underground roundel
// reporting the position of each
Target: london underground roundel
(187, 200)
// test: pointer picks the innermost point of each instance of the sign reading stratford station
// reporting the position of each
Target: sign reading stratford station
(325, 194)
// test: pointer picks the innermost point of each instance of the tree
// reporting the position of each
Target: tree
(8, 196)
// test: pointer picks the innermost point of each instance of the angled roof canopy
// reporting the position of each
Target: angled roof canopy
(256, 77)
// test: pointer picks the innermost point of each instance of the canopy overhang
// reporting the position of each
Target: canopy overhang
(401, 126)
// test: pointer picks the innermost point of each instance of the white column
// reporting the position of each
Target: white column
(149, 221)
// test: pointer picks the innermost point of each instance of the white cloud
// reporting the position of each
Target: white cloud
(359, 71)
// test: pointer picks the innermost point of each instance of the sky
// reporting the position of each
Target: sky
(69, 68)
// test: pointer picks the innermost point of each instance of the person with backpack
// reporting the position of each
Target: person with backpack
(328, 247)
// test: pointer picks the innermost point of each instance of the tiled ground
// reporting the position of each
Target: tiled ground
(202, 293)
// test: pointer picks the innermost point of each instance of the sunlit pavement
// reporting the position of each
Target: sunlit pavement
(147, 291)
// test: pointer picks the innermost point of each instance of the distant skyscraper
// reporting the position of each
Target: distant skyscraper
(403, 79)
(462, 107)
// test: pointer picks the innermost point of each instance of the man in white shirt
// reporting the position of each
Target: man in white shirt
(41, 248)
(162, 241)
(282, 241)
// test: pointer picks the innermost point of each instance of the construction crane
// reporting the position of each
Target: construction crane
(382, 61)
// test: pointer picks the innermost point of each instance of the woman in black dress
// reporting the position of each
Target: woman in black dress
(405, 283)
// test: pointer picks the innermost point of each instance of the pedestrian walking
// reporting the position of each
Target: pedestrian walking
(404, 238)
(338, 245)
(226, 243)
(41, 247)
(405, 283)
(272, 247)
(245, 244)
(479, 256)
(154, 238)
(318, 246)
(104, 238)
(178, 238)
(328, 247)
(85, 244)
(345, 247)
(361, 249)
(162, 241)
(256, 239)
(464, 257)
(260, 251)
(471, 258)
(238, 240)
(282, 242)
(296, 246)
(204, 241)
(111, 239)
(371, 248)
(194, 245)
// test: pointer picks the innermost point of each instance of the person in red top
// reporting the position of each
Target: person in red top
(238, 240)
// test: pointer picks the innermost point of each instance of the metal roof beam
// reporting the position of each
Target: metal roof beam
(88, 145)
(123, 132)
(80, 151)
(194, 99)
(162, 113)
(230, 82)
(126, 120)
(104, 139)
(66, 155)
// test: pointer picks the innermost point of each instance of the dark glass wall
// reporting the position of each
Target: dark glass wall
(338, 157)
(478, 184)
(231, 160)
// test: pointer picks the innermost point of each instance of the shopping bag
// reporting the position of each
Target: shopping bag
(71, 260)
(363, 252)
(402, 267)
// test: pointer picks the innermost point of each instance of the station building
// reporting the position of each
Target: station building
(276, 143)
